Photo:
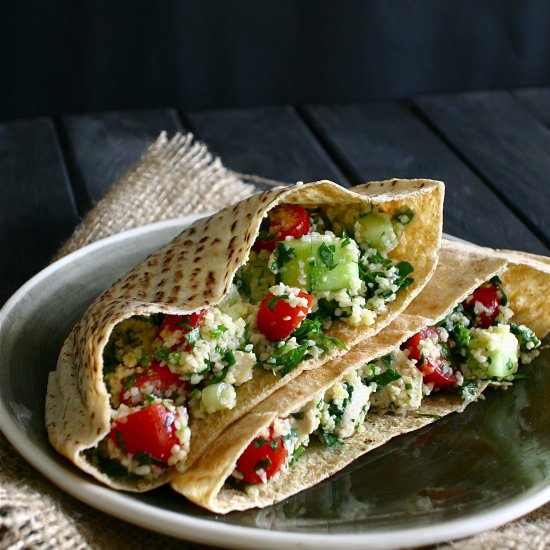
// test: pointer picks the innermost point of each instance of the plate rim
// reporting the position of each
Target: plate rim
(207, 530)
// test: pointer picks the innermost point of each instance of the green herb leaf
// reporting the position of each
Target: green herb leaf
(148, 397)
(404, 269)
(218, 331)
(386, 377)
(193, 336)
(130, 381)
(283, 255)
(163, 353)
(525, 336)
(298, 452)
(274, 300)
(468, 390)
(259, 441)
(329, 440)
(326, 252)
(288, 358)
(404, 215)
(120, 441)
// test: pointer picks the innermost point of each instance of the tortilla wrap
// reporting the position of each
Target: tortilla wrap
(461, 269)
(195, 270)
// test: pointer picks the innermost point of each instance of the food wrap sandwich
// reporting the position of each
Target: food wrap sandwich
(232, 309)
(479, 319)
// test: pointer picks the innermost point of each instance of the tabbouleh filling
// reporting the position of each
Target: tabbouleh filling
(476, 342)
(336, 269)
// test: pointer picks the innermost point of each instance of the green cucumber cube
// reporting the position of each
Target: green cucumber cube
(320, 265)
(376, 229)
(499, 346)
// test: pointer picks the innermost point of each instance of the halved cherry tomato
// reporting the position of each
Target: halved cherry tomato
(286, 220)
(185, 323)
(433, 367)
(489, 296)
(262, 454)
(150, 430)
(277, 319)
(156, 380)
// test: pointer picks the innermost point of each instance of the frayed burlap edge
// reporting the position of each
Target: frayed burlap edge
(173, 178)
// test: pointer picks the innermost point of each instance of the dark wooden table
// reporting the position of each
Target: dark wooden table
(492, 149)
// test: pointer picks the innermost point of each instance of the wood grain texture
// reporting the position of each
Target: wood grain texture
(37, 210)
(383, 140)
(505, 143)
(101, 147)
(272, 142)
(537, 101)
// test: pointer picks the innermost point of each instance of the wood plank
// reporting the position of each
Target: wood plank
(537, 100)
(37, 209)
(101, 147)
(505, 143)
(272, 142)
(382, 140)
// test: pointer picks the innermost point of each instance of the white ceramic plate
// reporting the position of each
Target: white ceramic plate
(461, 475)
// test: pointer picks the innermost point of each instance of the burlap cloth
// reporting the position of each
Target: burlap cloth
(173, 178)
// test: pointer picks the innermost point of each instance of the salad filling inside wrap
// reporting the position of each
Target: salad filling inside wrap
(478, 321)
(234, 308)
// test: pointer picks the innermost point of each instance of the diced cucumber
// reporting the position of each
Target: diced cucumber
(376, 229)
(499, 346)
(319, 265)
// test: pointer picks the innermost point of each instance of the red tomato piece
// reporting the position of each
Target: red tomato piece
(488, 295)
(286, 220)
(185, 323)
(277, 319)
(156, 380)
(267, 454)
(435, 368)
(150, 430)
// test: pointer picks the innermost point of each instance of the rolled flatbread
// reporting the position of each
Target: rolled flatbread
(195, 273)
(461, 270)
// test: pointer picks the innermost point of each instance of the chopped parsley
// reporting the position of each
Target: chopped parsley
(468, 390)
(282, 256)
(120, 441)
(385, 378)
(218, 331)
(287, 358)
(404, 215)
(329, 440)
(525, 336)
(298, 452)
(130, 381)
(326, 252)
